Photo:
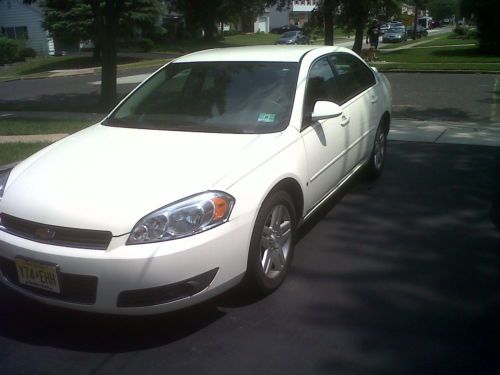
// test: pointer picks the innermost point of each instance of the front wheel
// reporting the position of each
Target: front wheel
(272, 244)
(377, 158)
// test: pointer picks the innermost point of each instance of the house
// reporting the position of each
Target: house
(24, 21)
(407, 9)
(271, 18)
(301, 11)
(297, 13)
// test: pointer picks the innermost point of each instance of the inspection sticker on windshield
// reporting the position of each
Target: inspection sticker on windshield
(266, 117)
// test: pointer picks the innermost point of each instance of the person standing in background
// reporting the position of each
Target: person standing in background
(372, 37)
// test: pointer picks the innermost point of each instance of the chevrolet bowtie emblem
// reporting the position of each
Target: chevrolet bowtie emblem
(45, 234)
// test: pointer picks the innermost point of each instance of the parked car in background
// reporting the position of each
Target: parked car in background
(198, 180)
(293, 37)
(421, 32)
(436, 24)
(284, 29)
(395, 34)
(384, 27)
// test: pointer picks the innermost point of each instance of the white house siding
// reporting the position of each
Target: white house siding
(261, 24)
(301, 11)
(278, 18)
(271, 18)
(13, 13)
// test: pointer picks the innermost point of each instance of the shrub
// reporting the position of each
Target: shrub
(9, 50)
(472, 34)
(27, 53)
(145, 44)
(460, 30)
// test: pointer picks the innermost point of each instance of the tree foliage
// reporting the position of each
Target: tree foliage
(103, 22)
(205, 14)
(485, 13)
(441, 9)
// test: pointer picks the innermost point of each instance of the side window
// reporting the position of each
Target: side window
(353, 76)
(320, 84)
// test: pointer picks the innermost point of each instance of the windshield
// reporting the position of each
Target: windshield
(225, 97)
(397, 30)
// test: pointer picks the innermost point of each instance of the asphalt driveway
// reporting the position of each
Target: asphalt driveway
(397, 276)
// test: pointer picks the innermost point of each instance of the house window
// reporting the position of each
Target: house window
(19, 32)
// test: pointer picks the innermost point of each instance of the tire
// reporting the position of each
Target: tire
(271, 245)
(377, 158)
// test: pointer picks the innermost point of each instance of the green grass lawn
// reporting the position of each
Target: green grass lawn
(237, 40)
(450, 39)
(419, 41)
(19, 126)
(439, 53)
(11, 152)
(41, 65)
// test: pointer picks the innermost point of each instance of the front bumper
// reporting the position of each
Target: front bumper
(137, 279)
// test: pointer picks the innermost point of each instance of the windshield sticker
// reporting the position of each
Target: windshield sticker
(266, 117)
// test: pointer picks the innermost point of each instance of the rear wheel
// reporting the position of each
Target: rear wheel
(272, 244)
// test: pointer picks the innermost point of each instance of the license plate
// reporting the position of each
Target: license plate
(37, 275)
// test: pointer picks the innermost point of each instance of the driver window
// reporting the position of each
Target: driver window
(320, 84)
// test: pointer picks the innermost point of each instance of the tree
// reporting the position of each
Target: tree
(102, 21)
(205, 14)
(354, 15)
(440, 9)
(486, 14)
(419, 5)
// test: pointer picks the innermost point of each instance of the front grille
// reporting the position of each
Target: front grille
(166, 293)
(74, 288)
(54, 235)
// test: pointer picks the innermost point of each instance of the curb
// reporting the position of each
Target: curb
(437, 71)
(31, 138)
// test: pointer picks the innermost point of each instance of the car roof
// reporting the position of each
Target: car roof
(272, 53)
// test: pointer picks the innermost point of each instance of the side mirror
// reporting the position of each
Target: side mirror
(374, 69)
(323, 110)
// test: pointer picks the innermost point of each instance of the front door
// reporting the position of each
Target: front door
(325, 141)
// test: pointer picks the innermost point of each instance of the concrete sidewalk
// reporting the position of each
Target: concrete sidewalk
(468, 133)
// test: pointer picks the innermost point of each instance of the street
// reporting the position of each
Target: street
(397, 276)
(451, 97)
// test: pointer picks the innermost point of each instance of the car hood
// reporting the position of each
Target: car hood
(107, 178)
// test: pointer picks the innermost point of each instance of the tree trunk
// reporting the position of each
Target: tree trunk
(415, 21)
(328, 16)
(209, 24)
(96, 53)
(358, 39)
(108, 72)
(107, 18)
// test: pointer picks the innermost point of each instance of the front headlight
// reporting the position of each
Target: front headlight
(183, 218)
(4, 176)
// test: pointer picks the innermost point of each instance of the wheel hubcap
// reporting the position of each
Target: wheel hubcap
(379, 151)
(275, 241)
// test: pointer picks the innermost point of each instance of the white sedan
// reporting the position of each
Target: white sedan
(195, 182)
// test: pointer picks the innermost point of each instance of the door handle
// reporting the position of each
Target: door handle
(344, 120)
(374, 99)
